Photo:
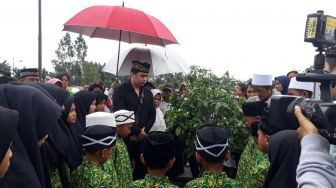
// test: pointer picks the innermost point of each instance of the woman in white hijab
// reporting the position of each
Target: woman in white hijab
(159, 124)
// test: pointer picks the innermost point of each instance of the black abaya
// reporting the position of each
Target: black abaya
(38, 115)
(284, 154)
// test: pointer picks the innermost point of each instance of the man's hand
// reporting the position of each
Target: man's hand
(140, 137)
(306, 126)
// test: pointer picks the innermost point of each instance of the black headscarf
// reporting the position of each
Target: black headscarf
(284, 154)
(9, 120)
(65, 141)
(57, 93)
(100, 97)
(38, 115)
(83, 100)
(62, 146)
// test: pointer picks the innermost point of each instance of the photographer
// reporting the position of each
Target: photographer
(330, 66)
(315, 168)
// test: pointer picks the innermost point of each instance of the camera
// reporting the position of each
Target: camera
(320, 31)
(321, 114)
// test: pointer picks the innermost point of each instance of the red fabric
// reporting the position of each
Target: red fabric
(108, 21)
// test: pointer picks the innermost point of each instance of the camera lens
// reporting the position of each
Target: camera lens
(290, 116)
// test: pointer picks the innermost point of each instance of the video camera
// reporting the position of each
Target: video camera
(320, 31)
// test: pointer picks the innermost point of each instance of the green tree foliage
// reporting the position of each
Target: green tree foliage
(176, 79)
(80, 49)
(65, 54)
(210, 101)
(70, 57)
(76, 74)
(16, 72)
(45, 75)
(90, 73)
(5, 69)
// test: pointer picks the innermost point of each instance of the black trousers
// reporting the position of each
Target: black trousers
(134, 150)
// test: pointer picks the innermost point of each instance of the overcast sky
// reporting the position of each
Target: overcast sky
(241, 36)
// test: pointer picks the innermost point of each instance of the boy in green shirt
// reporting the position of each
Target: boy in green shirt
(97, 140)
(158, 155)
(211, 152)
(120, 162)
(253, 164)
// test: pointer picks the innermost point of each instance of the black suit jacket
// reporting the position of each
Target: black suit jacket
(125, 97)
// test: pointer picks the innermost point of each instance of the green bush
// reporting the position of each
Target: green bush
(210, 101)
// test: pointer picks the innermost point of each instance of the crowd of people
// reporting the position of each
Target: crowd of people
(51, 136)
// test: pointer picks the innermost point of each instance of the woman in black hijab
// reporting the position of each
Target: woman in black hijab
(73, 150)
(284, 154)
(9, 120)
(57, 93)
(38, 115)
(85, 102)
(101, 99)
(67, 153)
(62, 148)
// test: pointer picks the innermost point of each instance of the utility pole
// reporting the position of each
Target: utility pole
(39, 40)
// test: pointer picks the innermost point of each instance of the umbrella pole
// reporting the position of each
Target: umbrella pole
(123, 4)
(118, 54)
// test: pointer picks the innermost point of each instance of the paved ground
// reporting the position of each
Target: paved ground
(186, 174)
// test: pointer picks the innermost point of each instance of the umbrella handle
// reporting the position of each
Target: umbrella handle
(120, 32)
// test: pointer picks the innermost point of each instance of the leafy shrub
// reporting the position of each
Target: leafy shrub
(210, 101)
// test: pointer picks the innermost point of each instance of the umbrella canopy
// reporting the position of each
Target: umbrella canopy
(120, 23)
(162, 60)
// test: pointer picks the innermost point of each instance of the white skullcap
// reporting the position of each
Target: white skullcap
(262, 80)
(294, 84)
(124, 116)
(155, 92)
(100, 118)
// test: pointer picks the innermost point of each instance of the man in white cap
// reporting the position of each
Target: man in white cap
(262, 85)
(98, 139)
(120, 161)
(301, 89)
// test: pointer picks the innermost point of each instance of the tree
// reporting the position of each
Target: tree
(76, 74)
(80, 49)
(210, 101)
(17, 73)
(176, 79)
(90, 73)
(70, 57)
(64, 54)
(5, 69)
(45, 75)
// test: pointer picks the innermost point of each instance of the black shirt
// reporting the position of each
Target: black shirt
(125, 97)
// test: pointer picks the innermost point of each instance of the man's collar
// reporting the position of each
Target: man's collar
(130, 86)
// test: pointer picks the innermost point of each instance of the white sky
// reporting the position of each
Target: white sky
(241, 36)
